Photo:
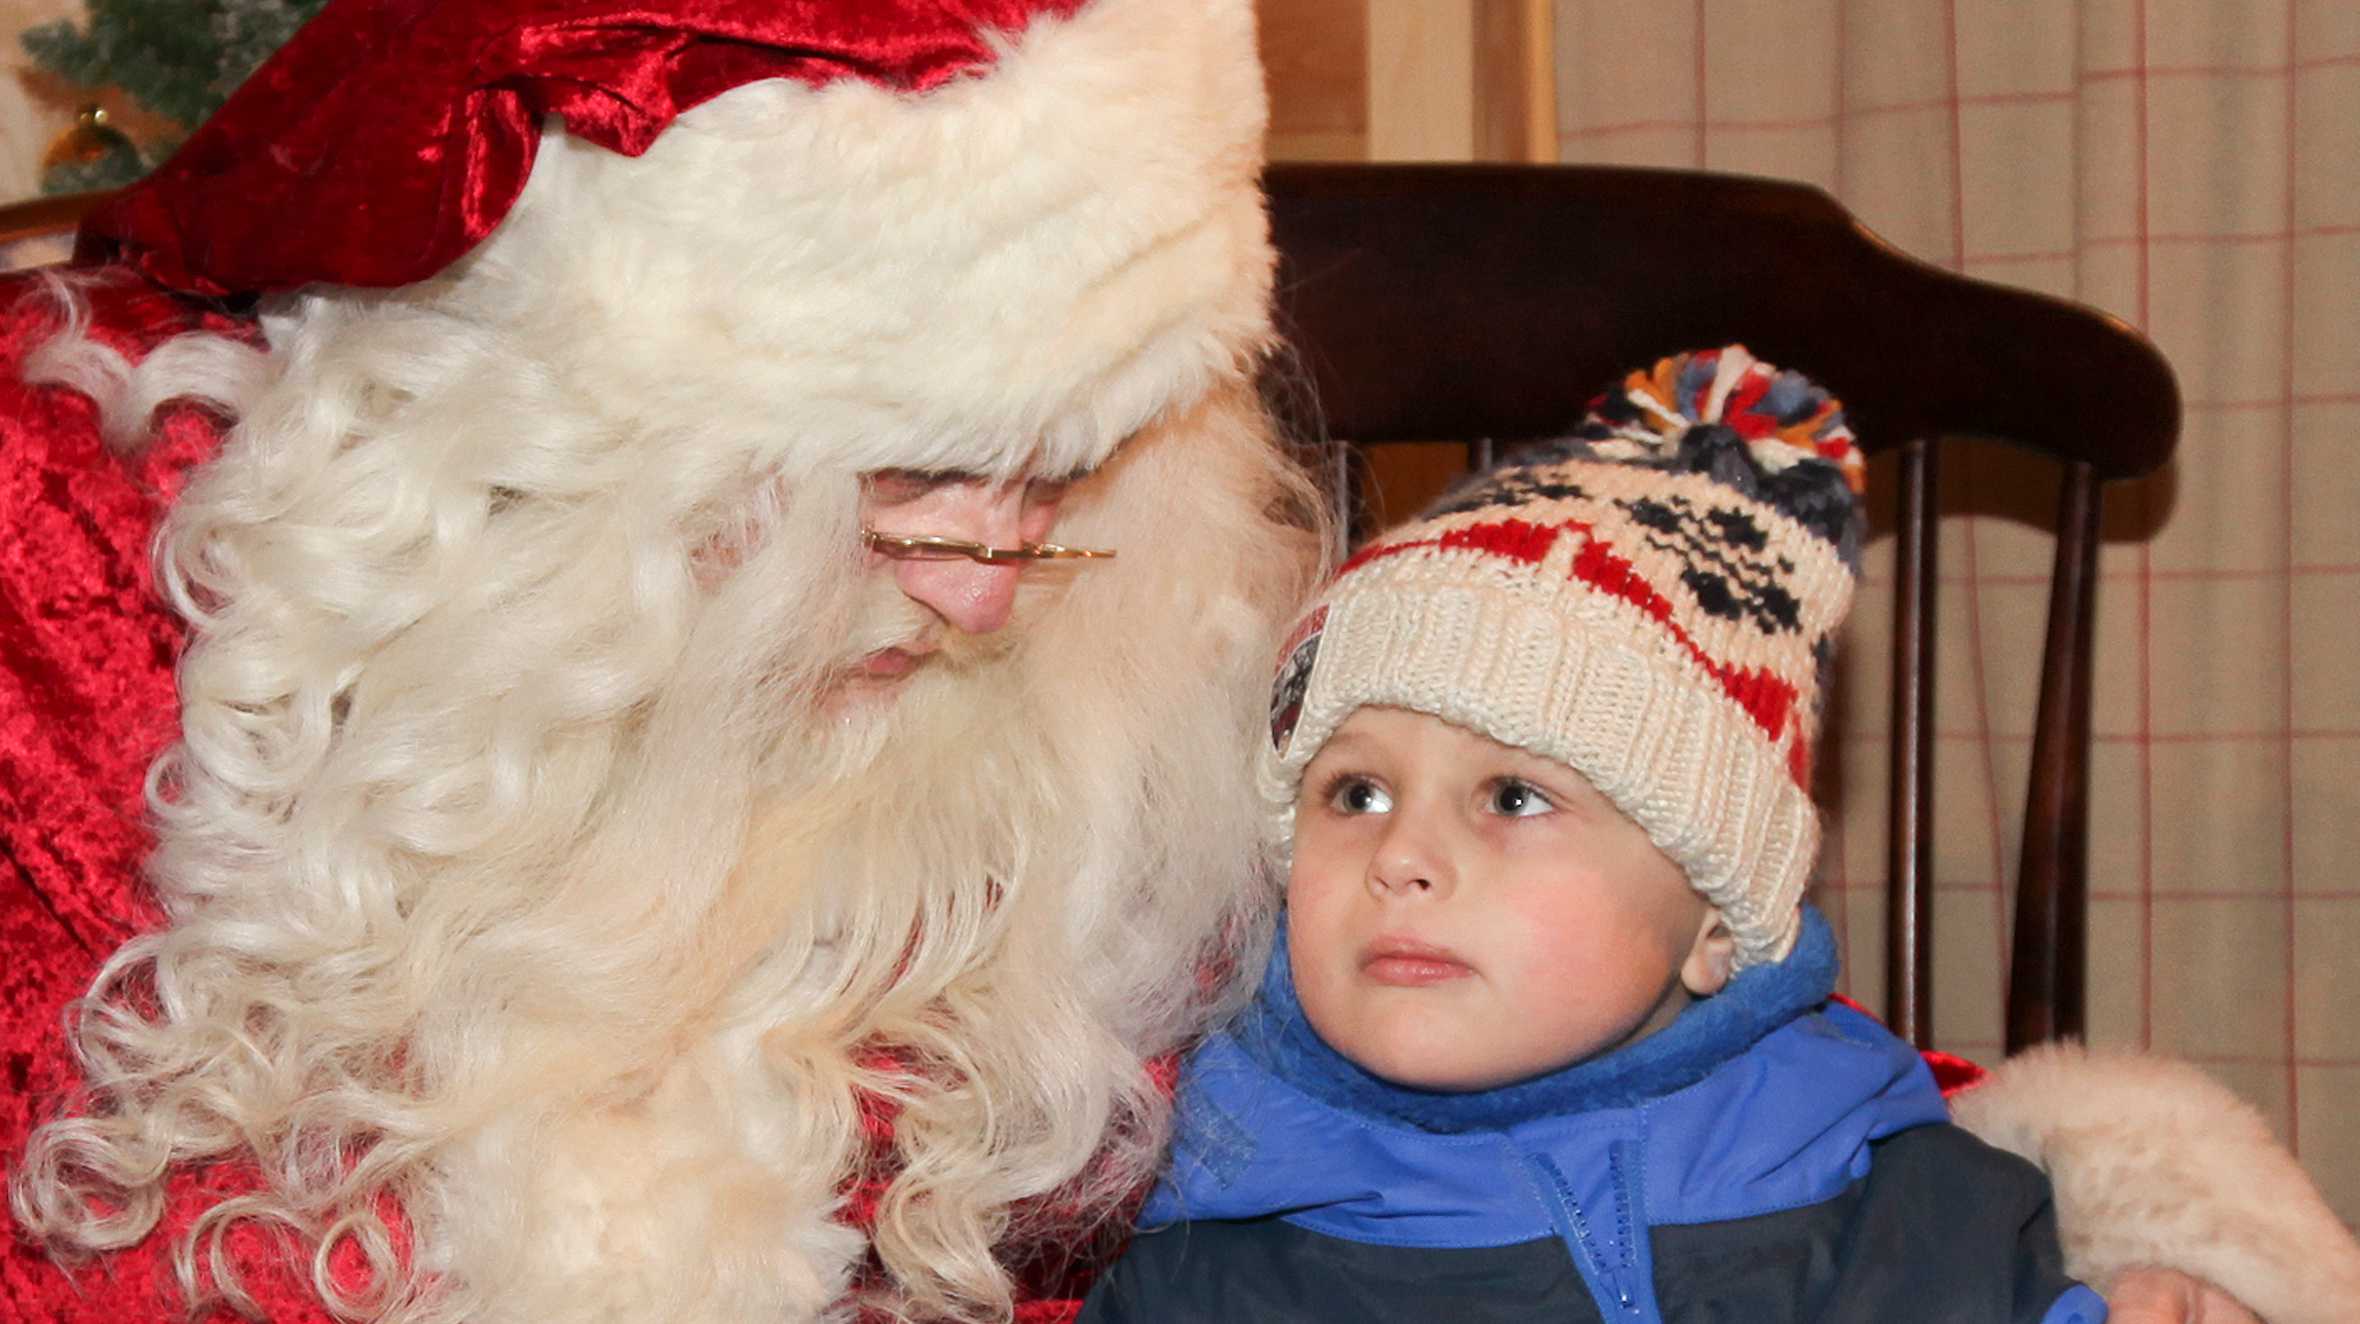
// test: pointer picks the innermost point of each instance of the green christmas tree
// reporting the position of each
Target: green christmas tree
(177, 58)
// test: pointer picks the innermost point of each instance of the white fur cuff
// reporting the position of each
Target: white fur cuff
(2156, 1163)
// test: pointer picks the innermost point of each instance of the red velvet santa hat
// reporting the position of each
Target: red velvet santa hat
(949, 233)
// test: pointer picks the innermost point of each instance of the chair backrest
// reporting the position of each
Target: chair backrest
(40, 231)
(1485, 303)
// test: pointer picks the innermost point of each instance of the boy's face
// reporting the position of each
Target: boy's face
(1462, 914)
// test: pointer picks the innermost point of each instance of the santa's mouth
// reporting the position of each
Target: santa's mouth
(890, 663)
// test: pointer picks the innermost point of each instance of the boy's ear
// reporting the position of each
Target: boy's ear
(1711, 957)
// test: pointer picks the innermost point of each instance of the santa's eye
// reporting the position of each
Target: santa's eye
(1515, 798)
(893, 487)
(1044, 492)
(1350, 794)
(896, 487)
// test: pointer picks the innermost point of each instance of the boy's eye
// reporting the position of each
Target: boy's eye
(1518, 799)
(1358, 795)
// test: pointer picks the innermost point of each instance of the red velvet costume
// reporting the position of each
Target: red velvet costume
(385, 142)
(87, 678)
(86, 655)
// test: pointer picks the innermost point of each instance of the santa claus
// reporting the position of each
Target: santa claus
(723, 557)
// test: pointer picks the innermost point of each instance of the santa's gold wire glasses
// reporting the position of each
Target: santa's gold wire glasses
(930, 547)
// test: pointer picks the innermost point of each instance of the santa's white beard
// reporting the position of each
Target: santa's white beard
(974, 868)
(851, 714)
(577, 934)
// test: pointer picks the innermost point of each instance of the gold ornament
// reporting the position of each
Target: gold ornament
(92, 139)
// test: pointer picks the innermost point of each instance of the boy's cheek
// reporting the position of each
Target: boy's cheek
(1319, 923)
(1322, 862)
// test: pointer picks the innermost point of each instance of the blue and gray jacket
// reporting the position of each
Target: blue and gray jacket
(1766, 1158)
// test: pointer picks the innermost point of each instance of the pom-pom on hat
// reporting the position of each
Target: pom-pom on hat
(972, 234)
(1651, 602)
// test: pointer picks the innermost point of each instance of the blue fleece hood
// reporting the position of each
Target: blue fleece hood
(1275, 1033)
(1750, 1103)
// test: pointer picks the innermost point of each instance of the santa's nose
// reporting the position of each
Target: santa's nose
(969, 595)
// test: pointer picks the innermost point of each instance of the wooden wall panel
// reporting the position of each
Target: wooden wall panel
(1316, 55)
(1410, 80)
(1515, 80)
(1421, 80)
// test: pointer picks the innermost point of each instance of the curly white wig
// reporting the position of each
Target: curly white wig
(524, 906)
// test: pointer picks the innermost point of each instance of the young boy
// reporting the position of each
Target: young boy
(1546, 1033)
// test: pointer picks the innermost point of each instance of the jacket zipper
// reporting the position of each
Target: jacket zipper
(1610, 1275)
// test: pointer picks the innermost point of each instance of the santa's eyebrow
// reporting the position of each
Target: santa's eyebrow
(951, 477)
(925, 477)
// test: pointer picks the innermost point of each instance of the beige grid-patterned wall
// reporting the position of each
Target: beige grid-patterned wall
(2192, 166)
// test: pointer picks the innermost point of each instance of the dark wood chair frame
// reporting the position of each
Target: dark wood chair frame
(1448, 303)
(1484, 304)
(38, 218)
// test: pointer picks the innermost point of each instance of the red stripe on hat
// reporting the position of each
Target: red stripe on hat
(1769, 701)
(1764, 697)
(1514, 539)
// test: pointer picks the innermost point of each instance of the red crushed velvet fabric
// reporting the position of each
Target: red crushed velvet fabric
(388, 137)
(86, 700)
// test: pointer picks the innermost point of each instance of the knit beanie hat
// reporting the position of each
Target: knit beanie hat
(1651, 602)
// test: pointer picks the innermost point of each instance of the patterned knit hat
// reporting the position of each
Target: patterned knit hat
(1651, 602)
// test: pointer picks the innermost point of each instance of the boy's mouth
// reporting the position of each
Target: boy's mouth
(1408, 963)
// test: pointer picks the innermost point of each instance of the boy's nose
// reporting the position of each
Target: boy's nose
(1408, 863)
